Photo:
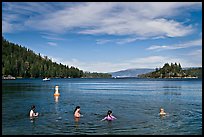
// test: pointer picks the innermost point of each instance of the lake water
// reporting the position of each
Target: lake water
(135, 103)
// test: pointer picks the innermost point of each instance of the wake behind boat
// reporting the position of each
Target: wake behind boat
(46, 79)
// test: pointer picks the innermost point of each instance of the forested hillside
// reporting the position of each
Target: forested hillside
(19, 61)
(173, 71)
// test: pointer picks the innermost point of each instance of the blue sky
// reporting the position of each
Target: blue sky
(108, 36)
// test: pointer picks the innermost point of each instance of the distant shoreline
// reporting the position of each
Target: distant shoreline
(16, 78)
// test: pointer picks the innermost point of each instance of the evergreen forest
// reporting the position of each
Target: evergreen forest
(173, 70)
(21, 62)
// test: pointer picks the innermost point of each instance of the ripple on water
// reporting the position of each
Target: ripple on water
(135, 103)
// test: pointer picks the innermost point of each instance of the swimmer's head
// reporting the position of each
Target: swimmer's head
(77, 107)
(33, 107)
(161, 109)
(109, 112)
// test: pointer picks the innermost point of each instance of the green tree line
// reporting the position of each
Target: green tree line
(173, 70)
(22, 62)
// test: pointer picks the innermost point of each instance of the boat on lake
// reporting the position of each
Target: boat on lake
(8, 77)
(46, 79)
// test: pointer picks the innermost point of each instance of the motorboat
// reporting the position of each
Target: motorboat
(46, 79)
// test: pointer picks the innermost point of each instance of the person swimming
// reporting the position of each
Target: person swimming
(162, 113)
(109, 116)
(32, 112)
(77, 112)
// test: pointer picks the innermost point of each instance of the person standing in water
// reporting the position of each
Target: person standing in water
(109, 116)
(32, 112)
(77, 113)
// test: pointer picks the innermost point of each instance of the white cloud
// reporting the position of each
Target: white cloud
(51, 36)
(103, 41)
(125, 40)
(168, 28)
(187, 44)
(7, 23)
(52, 43)
(7, 27)
(195, 53)
(129, 40)
(133, 25)
(105, 18)
(15, 14)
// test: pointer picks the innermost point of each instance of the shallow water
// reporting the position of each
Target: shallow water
(135, 103)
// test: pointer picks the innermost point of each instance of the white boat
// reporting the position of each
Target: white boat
(46, 79)
(8, 77)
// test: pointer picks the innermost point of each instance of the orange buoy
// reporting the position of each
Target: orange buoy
(56, 91)
(56, 94)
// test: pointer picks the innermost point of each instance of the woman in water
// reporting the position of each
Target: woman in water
(109, 116)
(77, 112)
(32, 112)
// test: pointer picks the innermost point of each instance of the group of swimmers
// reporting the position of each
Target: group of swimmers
(108, 117)
(77, 114)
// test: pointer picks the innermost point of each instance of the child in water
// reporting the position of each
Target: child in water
(32, 112)
(162, 113)
(109, 116)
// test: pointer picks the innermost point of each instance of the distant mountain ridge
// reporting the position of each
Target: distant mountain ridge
(131, 72)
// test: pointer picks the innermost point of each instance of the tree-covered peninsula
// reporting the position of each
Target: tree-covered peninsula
(22, 62)
(173, 70)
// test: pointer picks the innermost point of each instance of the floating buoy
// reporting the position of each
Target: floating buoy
(56, 94)
(56, 91)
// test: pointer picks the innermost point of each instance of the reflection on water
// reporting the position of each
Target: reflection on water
(171, 93)
(32, 120)
(76, 122)
(172, 87)
(56, 98)
(135, 103)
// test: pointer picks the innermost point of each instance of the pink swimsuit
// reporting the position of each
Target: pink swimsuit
(109, 118)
